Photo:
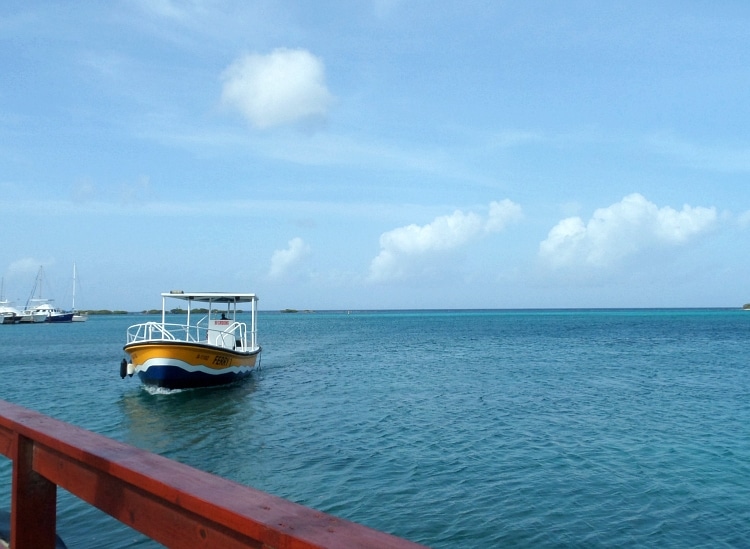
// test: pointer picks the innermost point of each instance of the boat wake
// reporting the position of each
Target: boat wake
(153, 390)
(241, 382)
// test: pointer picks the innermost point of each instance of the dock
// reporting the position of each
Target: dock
(172, 503)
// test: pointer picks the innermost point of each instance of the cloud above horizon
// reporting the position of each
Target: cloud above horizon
(283, 261)
(623, 229)
(27, 265)
(404, 249)
(283, 87)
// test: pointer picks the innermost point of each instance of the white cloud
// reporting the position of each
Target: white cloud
(283, 87)
(501, 214)
(283, 260)
(21, 274)
(404, 248)
(630, 226)
(26, 266)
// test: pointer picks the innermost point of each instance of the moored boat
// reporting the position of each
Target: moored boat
(43, 311)
(209, 348)
(10, 318)
(48, 312)
(8, 313)
(33, 316)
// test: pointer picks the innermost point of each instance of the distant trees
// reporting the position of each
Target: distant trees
(151, 312)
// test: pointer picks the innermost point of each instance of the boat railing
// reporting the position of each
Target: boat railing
(246, 340)
(173, 504)
(157, 331)
(233, 335)
(240, 334)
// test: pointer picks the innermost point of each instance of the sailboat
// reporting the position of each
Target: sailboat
(77, 315)
(43, 311)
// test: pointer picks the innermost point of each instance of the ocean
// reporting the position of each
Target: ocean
(529, 428)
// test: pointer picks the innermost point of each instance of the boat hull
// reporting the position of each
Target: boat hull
(33, 318)
(181, 365)
(60, 317)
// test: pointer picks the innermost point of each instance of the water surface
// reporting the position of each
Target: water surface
(469, 428)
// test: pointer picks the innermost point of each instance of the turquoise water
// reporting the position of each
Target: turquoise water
(449, 428)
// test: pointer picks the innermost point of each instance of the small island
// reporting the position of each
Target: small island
(91, 312)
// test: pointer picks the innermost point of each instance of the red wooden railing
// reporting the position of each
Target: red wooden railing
(176, 505)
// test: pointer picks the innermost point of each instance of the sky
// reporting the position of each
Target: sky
(377, 154)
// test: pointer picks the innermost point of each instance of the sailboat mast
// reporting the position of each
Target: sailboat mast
(37, 284)
(74, 286)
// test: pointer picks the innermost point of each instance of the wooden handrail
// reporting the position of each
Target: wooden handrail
(172, 503)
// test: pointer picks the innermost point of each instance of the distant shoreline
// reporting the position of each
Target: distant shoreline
(106, 312)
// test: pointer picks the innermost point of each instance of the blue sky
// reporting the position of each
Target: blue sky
(377, 154)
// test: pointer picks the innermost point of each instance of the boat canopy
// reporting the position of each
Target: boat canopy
(210, 297)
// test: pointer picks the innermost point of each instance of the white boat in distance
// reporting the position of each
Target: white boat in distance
(8, 313)
(208, 349)
(43, 311)
(32, 316)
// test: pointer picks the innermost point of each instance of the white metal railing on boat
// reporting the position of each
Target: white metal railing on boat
(156, 331)
(232, 336)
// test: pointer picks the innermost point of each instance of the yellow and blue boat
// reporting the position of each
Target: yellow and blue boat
(213, 346)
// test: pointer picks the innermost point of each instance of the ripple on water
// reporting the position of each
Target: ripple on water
(476, 429)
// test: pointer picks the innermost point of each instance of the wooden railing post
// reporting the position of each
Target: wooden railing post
(34, 501)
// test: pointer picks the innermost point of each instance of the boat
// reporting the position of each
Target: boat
(8, 313)
(9, 317)
(48, 312)
(39, 309)
(77, 315)
(32, 316)
(211, 347)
